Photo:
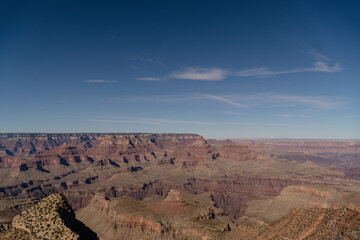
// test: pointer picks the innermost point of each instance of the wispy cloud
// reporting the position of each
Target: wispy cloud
(278, 100)
(202, 74)
(225, 100)
(150, 121)
(172, 121)
(317, 55)
(244, 100)
(231, 113)
(262, 124)
(319, 66)
(219, 74)
(147, 59)
(157, 99)
(149, 79)
(323, 67)
(291, 116)
(133, 121)
(99, 81)
(323, 103)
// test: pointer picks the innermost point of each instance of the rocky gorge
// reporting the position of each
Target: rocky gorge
(208, 188)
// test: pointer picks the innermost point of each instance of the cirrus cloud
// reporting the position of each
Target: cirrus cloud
(202, 74)
(156, 79)
(219, 74)
(319, 66)
(149, 121)
(99, 81)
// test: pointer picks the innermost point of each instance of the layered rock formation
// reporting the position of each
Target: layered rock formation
(177, 184)
(298, 197)
(306, 223)
(179, 216)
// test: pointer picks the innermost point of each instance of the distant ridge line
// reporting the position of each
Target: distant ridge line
(8, 135)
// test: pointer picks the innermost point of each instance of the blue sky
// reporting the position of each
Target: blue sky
(239, 69)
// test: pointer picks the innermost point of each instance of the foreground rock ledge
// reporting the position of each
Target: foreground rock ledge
(51, 218)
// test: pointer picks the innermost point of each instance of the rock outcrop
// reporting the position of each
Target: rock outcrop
(177, 217)
(51, 218)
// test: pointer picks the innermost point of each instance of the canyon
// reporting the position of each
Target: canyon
(183, 186)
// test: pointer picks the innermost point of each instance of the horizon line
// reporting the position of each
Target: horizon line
(178, 133)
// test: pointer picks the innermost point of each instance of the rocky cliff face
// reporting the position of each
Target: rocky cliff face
(298, 197)
(51, 218)
(153, 172)
(58, 162)
(240, 153)
(25, 144)
(307, 223)
(176, 217)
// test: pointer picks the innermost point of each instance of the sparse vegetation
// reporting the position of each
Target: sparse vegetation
(48, 219)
